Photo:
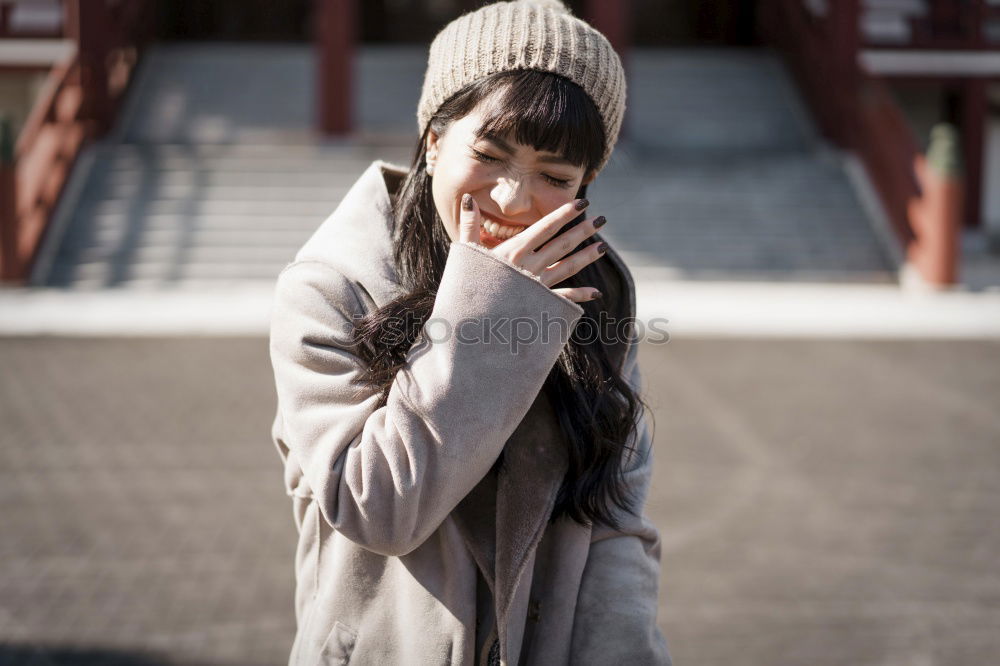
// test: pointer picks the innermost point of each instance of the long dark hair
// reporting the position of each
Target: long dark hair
(598, 411)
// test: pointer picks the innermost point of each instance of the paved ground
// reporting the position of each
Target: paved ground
(821, 502)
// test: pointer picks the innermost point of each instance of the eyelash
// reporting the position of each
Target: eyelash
(483, 157)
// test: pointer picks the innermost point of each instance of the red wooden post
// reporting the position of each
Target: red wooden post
(4, 19)
(9, 264)
(945, 19)
(89, 24)
(845, 34)
(614, 21)
(974, 28)
(336, 30)
(974, 120)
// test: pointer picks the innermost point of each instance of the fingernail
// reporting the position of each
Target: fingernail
(602, 247)
(599, 222)
(597, 294)
(581, 204)
(466, 201)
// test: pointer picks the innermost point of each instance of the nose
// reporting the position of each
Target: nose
(512, 195)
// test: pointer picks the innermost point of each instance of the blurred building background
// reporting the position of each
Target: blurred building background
(198, 141)
(808, 190)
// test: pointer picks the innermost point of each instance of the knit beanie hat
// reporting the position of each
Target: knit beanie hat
(526, 34)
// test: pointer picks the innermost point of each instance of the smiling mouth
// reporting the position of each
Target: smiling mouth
(501, 231)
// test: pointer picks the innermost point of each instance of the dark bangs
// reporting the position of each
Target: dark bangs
(547, 112)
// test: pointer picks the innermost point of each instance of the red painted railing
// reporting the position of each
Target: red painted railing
(77, 104)
(857, 112)
(39, 167)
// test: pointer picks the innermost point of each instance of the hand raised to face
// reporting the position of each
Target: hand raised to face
(540, 249)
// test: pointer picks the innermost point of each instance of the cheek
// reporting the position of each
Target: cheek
(449, 183)
(553, 198)
(462, 177)
(441, 202)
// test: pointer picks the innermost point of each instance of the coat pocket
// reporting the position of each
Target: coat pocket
(338, 646)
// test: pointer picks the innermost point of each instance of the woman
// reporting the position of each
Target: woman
(467, 461)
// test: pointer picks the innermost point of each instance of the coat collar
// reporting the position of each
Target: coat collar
(500, 531)
(357, 237)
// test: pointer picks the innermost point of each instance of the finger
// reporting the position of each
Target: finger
(572, 264)
(578, 294)
(544, 229)
(469, 219)
(566, 242)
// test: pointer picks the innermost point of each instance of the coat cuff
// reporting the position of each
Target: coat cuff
(520, 269)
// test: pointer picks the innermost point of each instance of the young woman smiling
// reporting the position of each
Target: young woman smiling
(476, 496)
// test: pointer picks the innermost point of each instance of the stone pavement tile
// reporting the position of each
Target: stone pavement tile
(142, 502)
(828, 502)
(820, 502)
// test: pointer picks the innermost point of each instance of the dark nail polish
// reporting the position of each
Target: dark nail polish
(581, 204)
(597, 294)
(602, 247)
(599, 222)
(467, 201)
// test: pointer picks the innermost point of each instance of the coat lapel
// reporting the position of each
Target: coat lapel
(535, 463)
(505, 515)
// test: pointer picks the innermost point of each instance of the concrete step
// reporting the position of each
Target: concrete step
(279, 163)
(201, 93)
(203, 192)
(166, 211)
(286, 234)
(187, 253)
(696, 215)
(113, 238)
(909, 7)
(204, 178)
(888, 29)
(888, 21)
(104, 274)
(715, 99)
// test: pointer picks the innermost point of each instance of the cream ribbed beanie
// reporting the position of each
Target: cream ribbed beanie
(526, 34)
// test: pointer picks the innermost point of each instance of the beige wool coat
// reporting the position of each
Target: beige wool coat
(387, 500)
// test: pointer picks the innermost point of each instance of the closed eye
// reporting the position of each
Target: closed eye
(483, 157)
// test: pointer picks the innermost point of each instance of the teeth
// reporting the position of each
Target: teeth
(501, 231)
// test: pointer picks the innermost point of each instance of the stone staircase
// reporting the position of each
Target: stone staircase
(183, 215)
(723, 176)
(209, 180)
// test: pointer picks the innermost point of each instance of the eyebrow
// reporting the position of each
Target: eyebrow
(506, 147)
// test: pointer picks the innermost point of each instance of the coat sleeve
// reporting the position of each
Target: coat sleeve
(387, 477)
(615, 620)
